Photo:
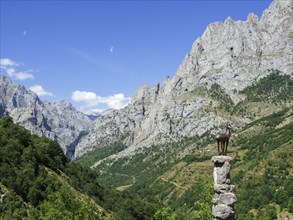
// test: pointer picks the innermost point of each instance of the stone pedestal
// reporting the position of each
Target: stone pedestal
(224, 198)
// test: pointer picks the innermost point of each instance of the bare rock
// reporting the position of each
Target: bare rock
(223, 188)
(221, 169)
(223, 212)
(58, 121)
(224, 198)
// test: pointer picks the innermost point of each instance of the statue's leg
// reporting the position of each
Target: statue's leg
(226, 150)
(222, 147)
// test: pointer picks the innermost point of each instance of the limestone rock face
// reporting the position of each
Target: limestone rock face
(223, 212)
(59, 121)
(223, 188)
(222, 169)
(233, 54)
(236, 53)
(224, 198)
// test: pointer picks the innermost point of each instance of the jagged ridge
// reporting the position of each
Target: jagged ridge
(59, 120)
(233, 55)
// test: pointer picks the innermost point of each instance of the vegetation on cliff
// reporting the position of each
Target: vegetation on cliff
(177, 174)
(175, 179)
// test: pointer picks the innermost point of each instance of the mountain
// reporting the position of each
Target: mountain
(207, 86)
(202, 95)
(159, 146)
(59, 120)
(179, 175)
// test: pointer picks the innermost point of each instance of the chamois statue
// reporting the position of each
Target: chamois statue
(223, 139)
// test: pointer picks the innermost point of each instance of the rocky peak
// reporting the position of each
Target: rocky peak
(4, 80)
(277, 9)
(233, 55)
(229, 21)
(252, 19)
(63, 104)
(146, 94)
(19, 96)
(58, 120)
(140, 93)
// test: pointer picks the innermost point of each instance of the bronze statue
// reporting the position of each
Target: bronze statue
(223, 139)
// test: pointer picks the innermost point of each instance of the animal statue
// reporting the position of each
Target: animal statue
(223, 139)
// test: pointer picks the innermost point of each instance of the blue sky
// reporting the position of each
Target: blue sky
(96, 54)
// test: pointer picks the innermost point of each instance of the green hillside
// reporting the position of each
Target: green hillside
(262, 171)
(270, 94)
(38, 182)
(179, 175)
(175, 179)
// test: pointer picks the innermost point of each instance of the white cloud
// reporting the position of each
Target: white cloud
(9, 65)
(40, 91)
(116, 101)
(111, 49)
(7, 62)
(23, 75)
(24, 33)
(84, 96)
(10, 72)
(19, 75)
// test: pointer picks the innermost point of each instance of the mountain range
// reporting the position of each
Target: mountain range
(159, 146)
(207, 86)
(58, 121)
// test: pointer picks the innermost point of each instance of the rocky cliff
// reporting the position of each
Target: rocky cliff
(59, 121)
(227, 58)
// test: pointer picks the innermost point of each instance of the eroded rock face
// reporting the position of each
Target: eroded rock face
(224, 198)
(221, 212)
(59, 121)
(233, 54)
(221, 169)
(236, 53)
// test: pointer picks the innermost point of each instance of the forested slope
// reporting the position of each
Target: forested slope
(38, 182)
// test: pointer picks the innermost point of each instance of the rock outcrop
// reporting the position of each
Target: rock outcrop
(224, 198)
(232, 55)
(59, 121)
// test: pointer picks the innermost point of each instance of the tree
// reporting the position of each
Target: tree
(165, 213)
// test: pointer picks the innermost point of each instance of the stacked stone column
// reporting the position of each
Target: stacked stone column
(224, 198)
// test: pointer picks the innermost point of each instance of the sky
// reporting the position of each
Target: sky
(96, 54)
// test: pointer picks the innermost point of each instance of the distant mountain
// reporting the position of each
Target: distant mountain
(207, 86)
(93, 117)
(203, 95)
(59, 120)
(159, 146)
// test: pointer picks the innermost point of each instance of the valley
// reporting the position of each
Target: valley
(152, 158)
